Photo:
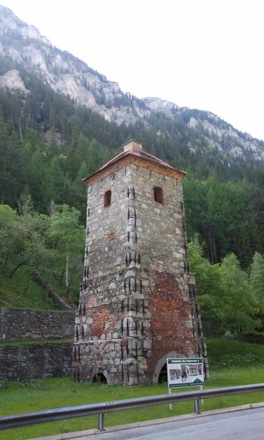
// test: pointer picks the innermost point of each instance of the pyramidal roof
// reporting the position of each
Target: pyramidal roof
(133, 153)
(134, 148)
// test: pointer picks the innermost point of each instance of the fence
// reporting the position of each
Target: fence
(14, 421)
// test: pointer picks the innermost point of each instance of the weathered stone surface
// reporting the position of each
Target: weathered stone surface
(33, 361)
(29, 361)
(19, 324)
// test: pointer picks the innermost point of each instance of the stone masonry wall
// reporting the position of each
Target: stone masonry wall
(136, 301)
(98, 324)
(163, 254)
(18, 324)
(31, 361)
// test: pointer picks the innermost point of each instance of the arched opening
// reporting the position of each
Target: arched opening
(163, 374)
(158, 194)
(99, 378)
(107, 198)
(161, 366)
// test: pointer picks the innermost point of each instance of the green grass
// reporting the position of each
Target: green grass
(230, 354)
(34, 341)
(23, 291)
(231, 364)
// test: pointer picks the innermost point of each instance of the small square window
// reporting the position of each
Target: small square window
(107, 198)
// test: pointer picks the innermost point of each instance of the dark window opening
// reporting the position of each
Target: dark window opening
(163, 374)
(158, 195)
(99, 378)
(107, 198)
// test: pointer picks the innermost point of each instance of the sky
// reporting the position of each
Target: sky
(203, 54)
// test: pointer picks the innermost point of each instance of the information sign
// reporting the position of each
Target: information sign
(185, 372)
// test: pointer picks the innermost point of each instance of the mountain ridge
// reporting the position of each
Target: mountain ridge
(70, 76)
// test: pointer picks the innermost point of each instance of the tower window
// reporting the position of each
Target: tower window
(107, 198)
(158, 194)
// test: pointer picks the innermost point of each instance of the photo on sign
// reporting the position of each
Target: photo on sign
(175, 374)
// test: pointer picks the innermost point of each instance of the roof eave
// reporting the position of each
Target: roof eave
(132, 159)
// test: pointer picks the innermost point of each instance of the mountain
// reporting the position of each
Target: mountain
(24, 50)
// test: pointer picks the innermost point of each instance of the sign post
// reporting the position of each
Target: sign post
(184, 372)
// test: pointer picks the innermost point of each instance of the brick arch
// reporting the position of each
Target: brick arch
(161, 362)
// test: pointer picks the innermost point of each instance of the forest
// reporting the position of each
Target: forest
(48, 144)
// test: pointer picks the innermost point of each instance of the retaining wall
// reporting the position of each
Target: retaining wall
(30, 361)
(17, 324)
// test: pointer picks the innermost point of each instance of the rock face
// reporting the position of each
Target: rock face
(12, 80)
(137, 303)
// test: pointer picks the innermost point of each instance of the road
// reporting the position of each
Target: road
(238, 425)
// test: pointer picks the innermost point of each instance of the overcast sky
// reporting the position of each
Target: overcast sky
(205, 54)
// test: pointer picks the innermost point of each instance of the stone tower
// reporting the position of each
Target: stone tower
(137, 300)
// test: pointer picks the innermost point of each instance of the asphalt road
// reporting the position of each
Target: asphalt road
(246, 424)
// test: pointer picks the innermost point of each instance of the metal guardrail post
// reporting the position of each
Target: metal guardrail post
(197, 406)
(101, 421)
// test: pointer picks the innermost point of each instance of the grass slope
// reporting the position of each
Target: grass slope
(25, 291)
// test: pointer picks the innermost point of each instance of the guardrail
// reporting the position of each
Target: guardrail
(51, 415)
